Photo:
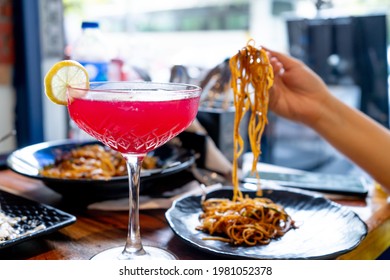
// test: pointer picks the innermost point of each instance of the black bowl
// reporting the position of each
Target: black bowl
(28, 161)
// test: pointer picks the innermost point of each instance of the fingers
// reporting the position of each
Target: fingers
(277, 66)
(277, 58)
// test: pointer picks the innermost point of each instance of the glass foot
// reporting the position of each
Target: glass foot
(152, 253)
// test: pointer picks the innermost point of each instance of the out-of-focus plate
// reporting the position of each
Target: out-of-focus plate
(325, 230)
(36, 219)
(30, 160)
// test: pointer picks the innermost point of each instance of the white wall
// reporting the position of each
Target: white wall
(7, 117)
(52, 41)
(266, 29)
(54, 116)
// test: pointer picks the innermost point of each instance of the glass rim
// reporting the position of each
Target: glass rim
(180, 87)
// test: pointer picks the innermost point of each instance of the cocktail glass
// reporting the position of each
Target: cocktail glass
(134, 118)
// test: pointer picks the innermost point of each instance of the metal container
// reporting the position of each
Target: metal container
(219, 124)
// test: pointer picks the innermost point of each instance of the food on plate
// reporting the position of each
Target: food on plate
(245, 220)
(7, 230)
(10, 227)
(92, 161)
(249, 221)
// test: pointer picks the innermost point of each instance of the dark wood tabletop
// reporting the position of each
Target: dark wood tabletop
(97, 230)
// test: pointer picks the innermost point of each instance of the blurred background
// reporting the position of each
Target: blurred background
(344, 41)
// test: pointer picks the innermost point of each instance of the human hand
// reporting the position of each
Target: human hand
(298, 93)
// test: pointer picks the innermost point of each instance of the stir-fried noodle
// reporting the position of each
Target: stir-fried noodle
(91, 161)
(245, 220)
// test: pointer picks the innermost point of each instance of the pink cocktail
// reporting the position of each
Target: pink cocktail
(133, 126)
(134, 118)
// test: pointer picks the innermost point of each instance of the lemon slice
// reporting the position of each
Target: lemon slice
(61, 75)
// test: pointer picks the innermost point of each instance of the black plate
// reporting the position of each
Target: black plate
(34, 214)
(326, 229)
(29, 160)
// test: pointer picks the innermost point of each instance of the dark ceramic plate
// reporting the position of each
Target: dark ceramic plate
(38, 219)
(29, 160)
(326, 229)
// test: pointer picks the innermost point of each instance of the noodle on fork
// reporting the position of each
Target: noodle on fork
(252, 77)
(242, 219)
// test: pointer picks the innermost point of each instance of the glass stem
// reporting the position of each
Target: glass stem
(133, 243)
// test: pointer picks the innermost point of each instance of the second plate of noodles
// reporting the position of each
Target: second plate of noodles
(89, 169)
(93, 161)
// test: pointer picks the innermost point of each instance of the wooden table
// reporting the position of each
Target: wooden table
(95, 230)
